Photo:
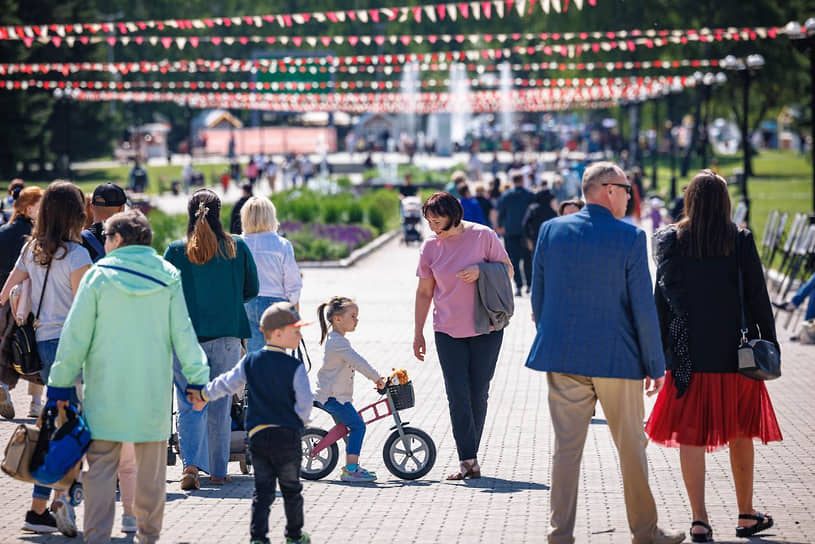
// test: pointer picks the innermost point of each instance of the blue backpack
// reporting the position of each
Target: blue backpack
(59, 449)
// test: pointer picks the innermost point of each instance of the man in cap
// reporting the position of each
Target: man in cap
(108, 199)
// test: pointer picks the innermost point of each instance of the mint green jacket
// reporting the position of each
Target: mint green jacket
(126, 320)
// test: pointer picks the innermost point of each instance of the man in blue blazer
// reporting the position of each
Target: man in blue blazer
(597, 339)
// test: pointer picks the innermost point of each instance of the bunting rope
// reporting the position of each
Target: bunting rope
(644, 37)
(267, 66)
(450, 11)
(306, 86)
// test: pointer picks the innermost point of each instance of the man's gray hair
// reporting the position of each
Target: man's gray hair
(598, 172)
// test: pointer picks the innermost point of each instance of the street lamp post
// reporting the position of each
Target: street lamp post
(63, 98)
(670, 92)
(709, 80)
(746, 69)
(655, 149)
(804, 39)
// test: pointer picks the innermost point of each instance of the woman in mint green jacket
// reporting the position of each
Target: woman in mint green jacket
(128, 317)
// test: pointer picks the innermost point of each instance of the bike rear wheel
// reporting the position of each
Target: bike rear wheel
(411, 462)
(321, 465)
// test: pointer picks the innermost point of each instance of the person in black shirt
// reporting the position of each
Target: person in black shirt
(13, 234)
(235, 226)
(108, 199)
(407, 189)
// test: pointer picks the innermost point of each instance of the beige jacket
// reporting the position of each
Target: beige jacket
(336, 377)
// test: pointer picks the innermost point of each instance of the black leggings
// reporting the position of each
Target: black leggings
(468, 365)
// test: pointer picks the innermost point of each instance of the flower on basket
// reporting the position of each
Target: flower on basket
(399, 377)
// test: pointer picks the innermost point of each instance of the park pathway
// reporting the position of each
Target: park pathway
(511, 503)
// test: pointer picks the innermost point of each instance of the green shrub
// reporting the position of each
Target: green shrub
(332, 212)
(344, 182)
(166, 228)
(376, 217)
(355, 213)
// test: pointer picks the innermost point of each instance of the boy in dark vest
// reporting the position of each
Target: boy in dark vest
(279, 404)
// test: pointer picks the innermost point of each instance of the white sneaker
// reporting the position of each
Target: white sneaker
(34, 409)
(6, 407)
(129, 524)
(65, 516)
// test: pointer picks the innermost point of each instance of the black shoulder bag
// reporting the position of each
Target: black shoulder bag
(758, 359)
(25, 359)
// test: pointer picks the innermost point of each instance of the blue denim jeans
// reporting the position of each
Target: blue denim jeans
(804, 292)
(348, 416)
(203, 437)
(254, 310)
(47, 350)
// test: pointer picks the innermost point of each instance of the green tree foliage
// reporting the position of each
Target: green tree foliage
(32, 124)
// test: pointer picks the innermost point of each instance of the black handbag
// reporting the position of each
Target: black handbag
(25, 359)
(758, 359)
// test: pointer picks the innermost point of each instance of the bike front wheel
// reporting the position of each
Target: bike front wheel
(411, 458)
(322, 464)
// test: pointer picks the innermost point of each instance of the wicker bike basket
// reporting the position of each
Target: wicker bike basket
(402, 396)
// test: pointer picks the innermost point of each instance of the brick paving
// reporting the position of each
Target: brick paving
(510, 504)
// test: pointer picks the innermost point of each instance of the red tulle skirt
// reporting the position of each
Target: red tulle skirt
(716, 408)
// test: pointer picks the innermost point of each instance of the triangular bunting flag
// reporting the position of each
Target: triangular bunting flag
(325, 40)
(475, 9)
(362, 15)
(194, 41)
(298, 40)
(318, 16)
(167, 41)
(70, 40)
(464, 9)
(339, 39)
(284, 39)
(545, 6)
(125, 40)
(353, 40)
(216, 40)
(229, 40)
(404, 13)
(56, 40)
(556, 5)
(181, 42)
(451, 11)
(430, 11)
(520, 6)
(365, 39)
(153, 40)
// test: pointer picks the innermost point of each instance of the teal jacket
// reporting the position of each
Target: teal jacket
(215, 291)
(128, 317)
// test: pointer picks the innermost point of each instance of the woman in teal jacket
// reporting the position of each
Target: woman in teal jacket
(219, 276)
(128, 317)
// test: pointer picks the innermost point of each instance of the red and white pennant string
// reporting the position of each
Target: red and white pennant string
(648, 38)
(306, 86)
(268, 65)
(430, 12)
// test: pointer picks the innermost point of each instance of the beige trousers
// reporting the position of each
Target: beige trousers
(100, 490)
(572, 400)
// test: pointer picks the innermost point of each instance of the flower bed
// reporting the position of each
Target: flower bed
(318, 241)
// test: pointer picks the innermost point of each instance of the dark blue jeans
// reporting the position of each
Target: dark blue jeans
(276, 456)
(468, 365)
(519, 253)
(346, 414)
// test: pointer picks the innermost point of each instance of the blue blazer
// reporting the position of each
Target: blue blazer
(592, 299)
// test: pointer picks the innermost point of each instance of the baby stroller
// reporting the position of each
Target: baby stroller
(411, 219)
(239, 439)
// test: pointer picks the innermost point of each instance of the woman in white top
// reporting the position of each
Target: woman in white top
(278, 273)
(54, 258)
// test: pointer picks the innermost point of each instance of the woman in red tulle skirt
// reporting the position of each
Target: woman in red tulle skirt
(705, 403)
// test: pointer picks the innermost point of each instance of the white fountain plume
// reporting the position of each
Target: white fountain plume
(460, 103)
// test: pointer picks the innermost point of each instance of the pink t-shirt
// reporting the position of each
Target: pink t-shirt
(441, 259)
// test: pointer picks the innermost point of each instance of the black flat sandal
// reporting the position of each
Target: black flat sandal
(763, 521)
(701, 537)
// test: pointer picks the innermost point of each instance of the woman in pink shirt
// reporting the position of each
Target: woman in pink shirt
(448, 271)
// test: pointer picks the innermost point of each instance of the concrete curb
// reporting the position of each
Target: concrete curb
(355, 255)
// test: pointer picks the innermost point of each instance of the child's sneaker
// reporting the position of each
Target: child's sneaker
(359, 475)
(304, 539)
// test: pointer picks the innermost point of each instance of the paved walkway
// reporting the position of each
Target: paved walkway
(511, 503)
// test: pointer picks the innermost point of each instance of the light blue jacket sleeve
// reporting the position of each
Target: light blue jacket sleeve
(228, 383)
(185, 342)
(292, 282)
(303, 398)
(75, 342)
(644, 310)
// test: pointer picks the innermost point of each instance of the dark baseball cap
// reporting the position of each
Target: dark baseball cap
(279, 315)
(110, 195)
